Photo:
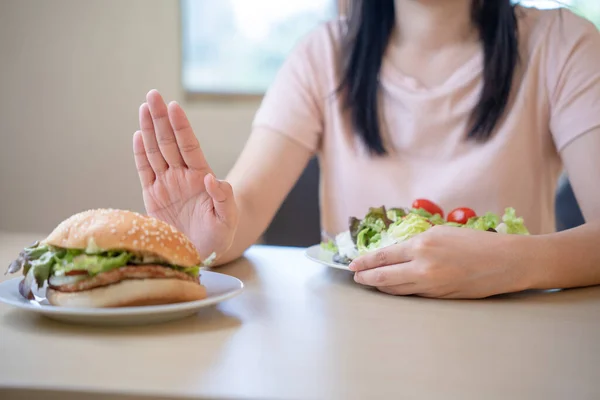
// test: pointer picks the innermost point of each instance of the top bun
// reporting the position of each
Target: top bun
(109, 229)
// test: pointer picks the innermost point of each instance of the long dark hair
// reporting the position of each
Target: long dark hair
(370, 25)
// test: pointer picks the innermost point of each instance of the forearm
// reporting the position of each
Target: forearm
(566, 259)
(262, 177)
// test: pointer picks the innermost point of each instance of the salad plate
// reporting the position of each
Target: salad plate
(325, 257)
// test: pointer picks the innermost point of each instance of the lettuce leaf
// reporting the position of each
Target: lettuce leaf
(395, 214)
(30, 259)
(36, 261)
(420, 211)
(410, 226)
(365, 230)
(435, 219)
(42, 267)
(366, 237)
(193, 271)
(92, 264)
(377, 219)
(378, 241)
(354, 228)
(513, 225)
(329, 245)
(484, 222)
(454, 224)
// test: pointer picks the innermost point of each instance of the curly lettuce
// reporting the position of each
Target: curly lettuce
(369, 229)
(511, 224)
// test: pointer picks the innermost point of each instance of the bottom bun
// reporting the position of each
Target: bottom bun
(132, 292)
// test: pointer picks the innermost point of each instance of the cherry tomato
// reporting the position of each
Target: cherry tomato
(461, 215)
(428, 206)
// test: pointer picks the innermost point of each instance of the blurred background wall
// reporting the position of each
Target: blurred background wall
(73, 74)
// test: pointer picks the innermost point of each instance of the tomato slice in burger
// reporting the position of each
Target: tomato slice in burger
(428, 206)
(461, 215)
(76, 272)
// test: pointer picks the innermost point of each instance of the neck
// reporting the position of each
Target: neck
(433, 24)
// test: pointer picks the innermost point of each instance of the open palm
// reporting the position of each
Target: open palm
(178, 184)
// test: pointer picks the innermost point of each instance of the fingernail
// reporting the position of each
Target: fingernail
(352, 266)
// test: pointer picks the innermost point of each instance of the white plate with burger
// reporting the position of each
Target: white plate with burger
(110, 266)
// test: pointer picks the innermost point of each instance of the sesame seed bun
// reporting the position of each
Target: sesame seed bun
(128, 293)
(110, 229)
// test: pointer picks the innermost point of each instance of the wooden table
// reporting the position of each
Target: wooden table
(304, 331)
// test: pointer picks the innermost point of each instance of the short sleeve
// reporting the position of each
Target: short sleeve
(292, 105)
(573, 72)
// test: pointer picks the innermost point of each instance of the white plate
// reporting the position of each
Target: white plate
(325, 257)
(219, 287)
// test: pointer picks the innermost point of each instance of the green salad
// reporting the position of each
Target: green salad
(382, 227)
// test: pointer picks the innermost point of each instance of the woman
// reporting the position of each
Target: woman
(465, 102)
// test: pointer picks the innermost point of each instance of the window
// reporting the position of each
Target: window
(237, 46)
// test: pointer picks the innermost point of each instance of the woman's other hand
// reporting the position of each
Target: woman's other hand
(449, 262)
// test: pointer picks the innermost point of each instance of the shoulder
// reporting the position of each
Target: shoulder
(294, 103)
(553, 31)
(322, 42)
(562, 51)
(328, 32)
(315, 58)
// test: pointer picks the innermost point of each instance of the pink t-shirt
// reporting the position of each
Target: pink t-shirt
(555, 99)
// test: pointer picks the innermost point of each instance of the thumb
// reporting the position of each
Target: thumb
(221, 193)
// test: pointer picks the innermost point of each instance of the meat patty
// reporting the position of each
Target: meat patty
(126, 272)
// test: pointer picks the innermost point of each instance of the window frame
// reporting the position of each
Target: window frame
(216, 96)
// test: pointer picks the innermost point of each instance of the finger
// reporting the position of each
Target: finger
(142, 164)
(394, 254)
(188, 144)
(158, 163)
(391, 275)
(163, 129)
(221, 193)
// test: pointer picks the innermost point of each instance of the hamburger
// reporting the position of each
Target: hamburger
(112, 258)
